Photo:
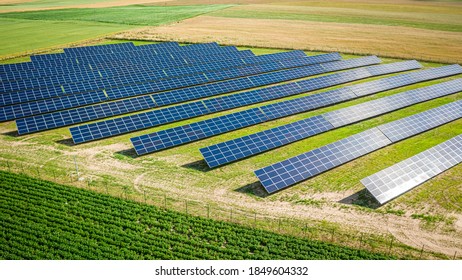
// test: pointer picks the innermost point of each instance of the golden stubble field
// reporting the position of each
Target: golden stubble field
(391, 41)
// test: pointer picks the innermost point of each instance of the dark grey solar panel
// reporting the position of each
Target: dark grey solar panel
(283, 174)
(395, 180)
(245, 146)
(418, 123)
(288, 172)
(410, 78)
(380, 106)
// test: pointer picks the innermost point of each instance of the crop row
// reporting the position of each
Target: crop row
(44, 220)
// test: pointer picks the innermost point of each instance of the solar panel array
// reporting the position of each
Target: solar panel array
(286, 173)
(73, 116)
(239, 148)
(169, 97)
(153, 118)
(162, 140)
(395, 180)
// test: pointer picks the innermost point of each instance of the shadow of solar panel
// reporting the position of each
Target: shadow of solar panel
(418, 123)
(288, 172)
(395, 180)
(262, 141)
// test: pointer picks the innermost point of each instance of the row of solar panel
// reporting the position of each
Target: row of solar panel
(127, 64)
(60, 86)
(170, 97)
(103, 50)
(237, 149)
(395, 180)
(195, 131)
(113, 49)
(132, 58)
(184, 134)
(162, 99)
(30, 65)
(288, 172)
(176, 113)
(257, 64)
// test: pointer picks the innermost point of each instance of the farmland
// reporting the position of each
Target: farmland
(42, 220)
(424, 223)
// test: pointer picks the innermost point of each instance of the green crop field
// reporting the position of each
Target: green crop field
(43, 220)
(128, 15)
(26, 32)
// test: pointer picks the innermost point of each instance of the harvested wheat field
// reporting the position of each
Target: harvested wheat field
(392, 41)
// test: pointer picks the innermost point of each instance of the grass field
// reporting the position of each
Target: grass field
(71, 26)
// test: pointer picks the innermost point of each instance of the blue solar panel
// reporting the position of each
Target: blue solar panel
(319, 98)
(135, 56)
(243, 147)
(120, 107)
(135, 63)
(251, 144)
(288, 172)
(49, 105)
(44, 79)
(408, 174)
(159, 140)
(217, 104)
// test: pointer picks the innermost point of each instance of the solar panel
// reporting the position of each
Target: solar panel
(380, 106)
(160, 61)
(121, 78)
(318, 100)
(251, 144)
(146, 143)
(395, 180)
(124, 106)
(288, 172)
(404, 128)
(136, 122)
(40, 79)
(232, 150)
(135, 56)
(170, 97)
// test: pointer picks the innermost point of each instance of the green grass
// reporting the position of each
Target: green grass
(423, 21)
(43, 220)
(40, 4)
(127, 15)
(20, 36)
(34, 31)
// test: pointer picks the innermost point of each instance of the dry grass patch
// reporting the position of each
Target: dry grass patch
(391, 41)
